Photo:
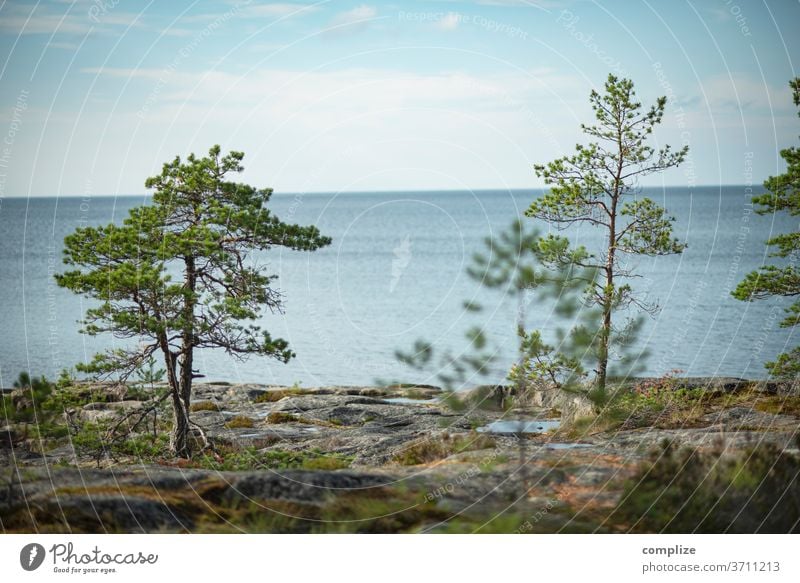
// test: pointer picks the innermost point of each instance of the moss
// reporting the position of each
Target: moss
(240, 422)
(326, 463)
(378, 510)
(278, 417)
(204, 406)
(235, 459)
(416, 393)
(778, 405)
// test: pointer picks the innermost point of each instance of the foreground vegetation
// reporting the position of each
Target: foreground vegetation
(447, 478)
(666, 403)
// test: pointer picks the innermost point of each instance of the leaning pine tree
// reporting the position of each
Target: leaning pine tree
(783, 195)
(599, 185)
(179, 275)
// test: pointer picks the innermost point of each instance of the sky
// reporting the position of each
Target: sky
(95, 95)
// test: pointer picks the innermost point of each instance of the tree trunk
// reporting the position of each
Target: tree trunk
(608, 291)
(179, 443)
(608, 301)
(187, 354)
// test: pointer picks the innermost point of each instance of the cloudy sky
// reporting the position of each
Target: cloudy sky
(340, 95)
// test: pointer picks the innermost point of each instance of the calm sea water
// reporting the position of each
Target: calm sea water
(395, 273)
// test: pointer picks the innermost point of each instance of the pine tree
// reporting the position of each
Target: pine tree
(599, 185)
(178, 275)
(783, 195)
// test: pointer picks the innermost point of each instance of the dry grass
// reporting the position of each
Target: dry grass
(204, 406)
(441, 447)
(273, 396)
(778, 405)
(280, 417)
(240, 422)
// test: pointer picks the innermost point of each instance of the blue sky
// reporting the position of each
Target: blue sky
(338, 95)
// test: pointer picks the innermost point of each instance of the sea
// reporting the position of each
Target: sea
(395, 273)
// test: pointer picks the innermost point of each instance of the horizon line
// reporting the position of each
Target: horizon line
(407, 191)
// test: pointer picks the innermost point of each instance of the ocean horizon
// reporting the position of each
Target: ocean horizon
(395, 273)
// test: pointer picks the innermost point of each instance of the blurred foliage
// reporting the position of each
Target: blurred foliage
(783, 195)
(241, 459)
(534, 273)
(714, 491)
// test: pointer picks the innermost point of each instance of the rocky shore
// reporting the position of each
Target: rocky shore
(377, 459)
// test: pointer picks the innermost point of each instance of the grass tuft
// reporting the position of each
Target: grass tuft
(441, 447)
(240, 422)
(204, 406)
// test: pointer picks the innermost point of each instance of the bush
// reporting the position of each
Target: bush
(681, 491)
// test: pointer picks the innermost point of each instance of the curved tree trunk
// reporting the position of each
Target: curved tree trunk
(179, 443)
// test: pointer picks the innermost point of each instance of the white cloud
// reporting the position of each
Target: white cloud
(450, 21)
(742, 92)
(353, 20)
(277, 9)
(538, 4)
(297, 126)
(719, 13)
(336, 92)
(68, 46)
(82, 16)
(71, 20)
(18, 19)
(361, 12)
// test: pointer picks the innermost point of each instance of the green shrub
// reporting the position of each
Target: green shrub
(234, 459)
(681, 491)
(146, 446)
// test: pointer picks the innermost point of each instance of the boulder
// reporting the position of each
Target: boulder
(9, 437)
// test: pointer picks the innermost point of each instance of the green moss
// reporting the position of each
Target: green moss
(416, 393)
(779, 405)
(326, 462)
(278, 417)
(234, 459)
